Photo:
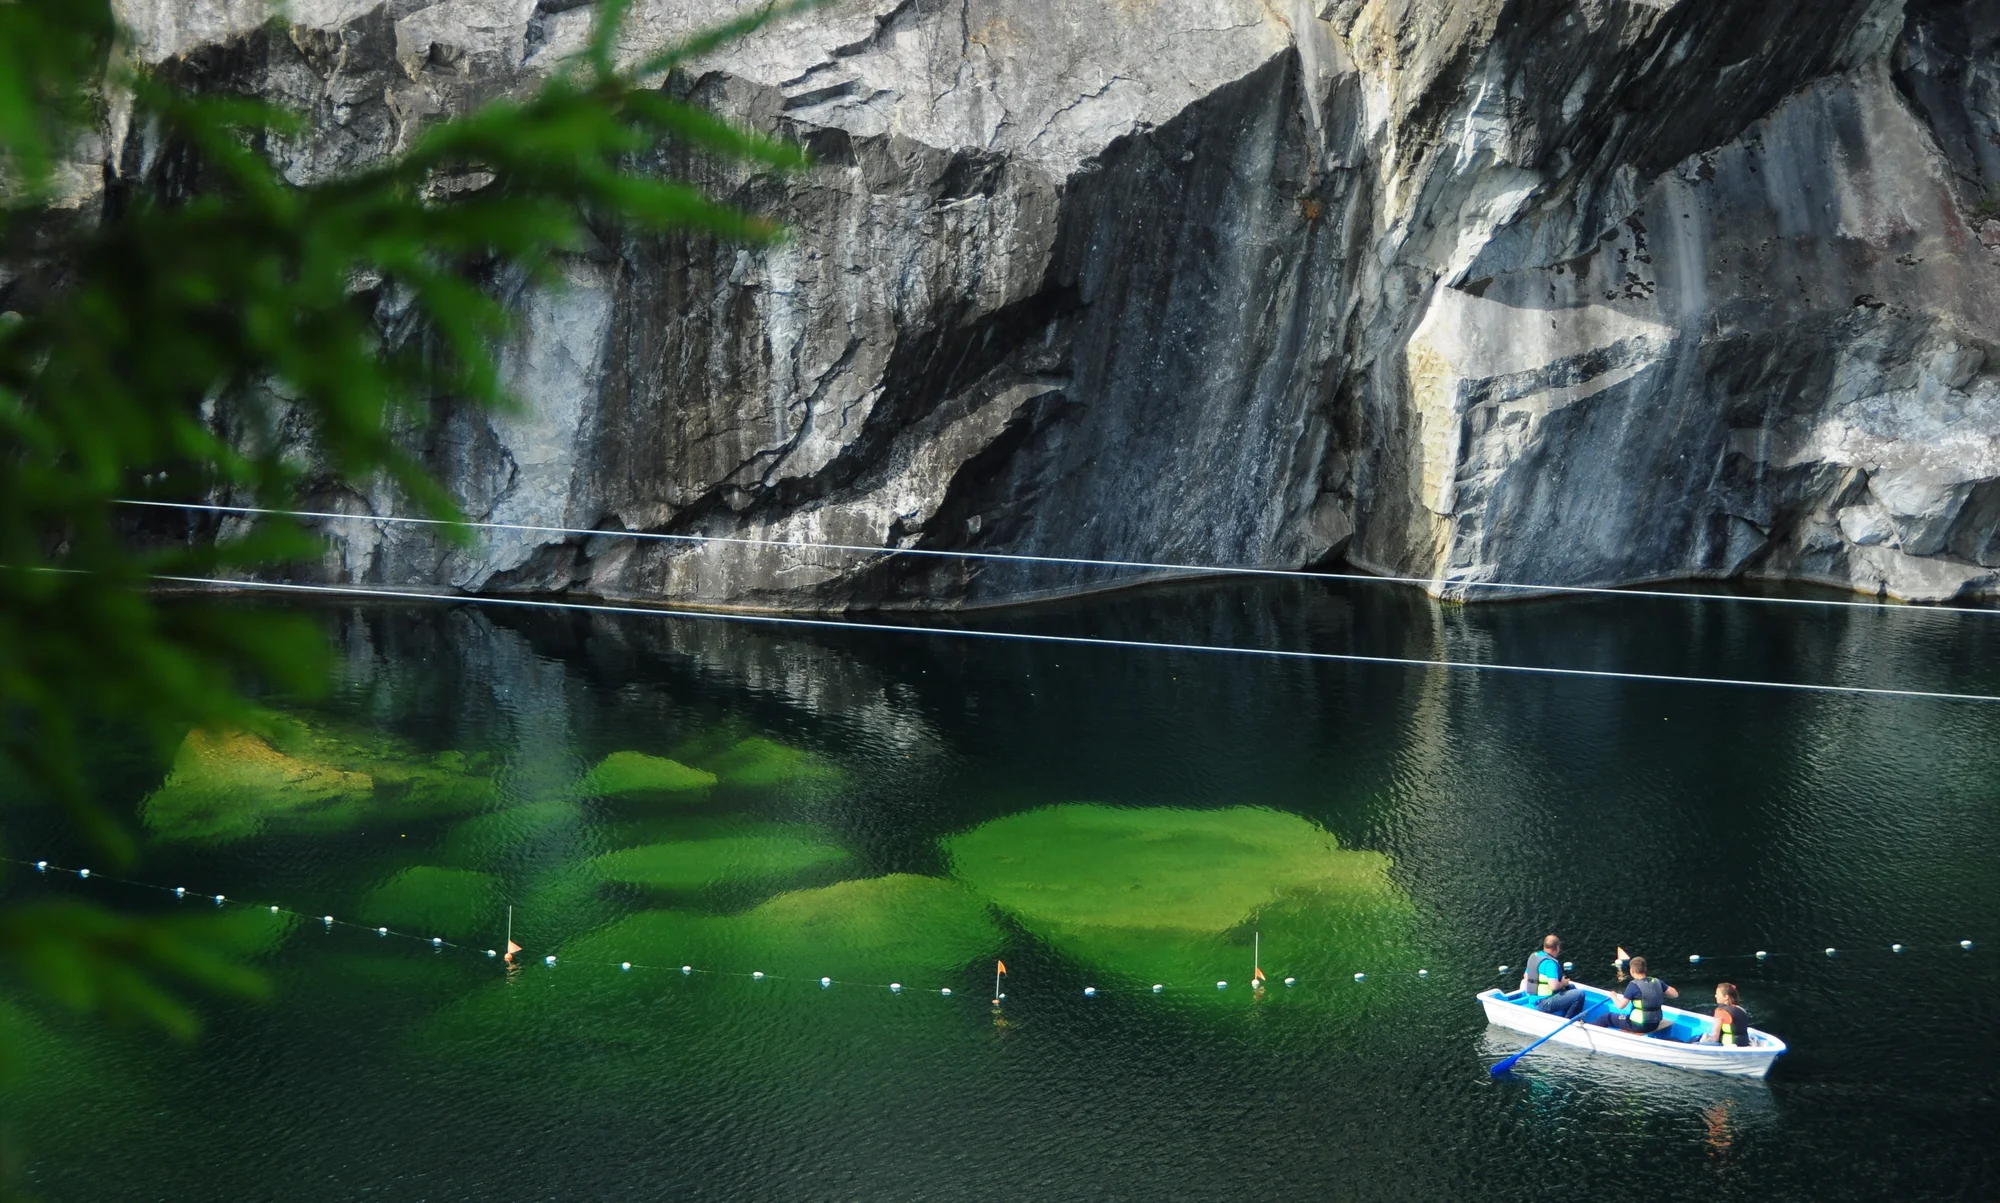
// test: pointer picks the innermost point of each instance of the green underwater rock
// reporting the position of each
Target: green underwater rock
(477, 840)
(637, 773)
(601, 1032)
(754, 762)
(246, 932)
(1171, 895)
(723, 860)
(227, 785)
(900, 927)
(427, 900)
(289, 774)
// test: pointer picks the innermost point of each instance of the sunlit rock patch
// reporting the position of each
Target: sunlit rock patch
(1159, 894)
(901, 927)
(226, 785)
(753, 761)
(638, 773)
(288, 774)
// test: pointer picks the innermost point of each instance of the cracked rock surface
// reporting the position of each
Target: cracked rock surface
(1569, 292)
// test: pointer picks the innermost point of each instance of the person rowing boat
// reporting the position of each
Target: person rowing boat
(1642, 1004)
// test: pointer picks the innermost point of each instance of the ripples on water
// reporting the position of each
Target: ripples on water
(1471, 814)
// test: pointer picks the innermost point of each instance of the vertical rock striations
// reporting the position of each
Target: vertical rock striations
(1576, 292)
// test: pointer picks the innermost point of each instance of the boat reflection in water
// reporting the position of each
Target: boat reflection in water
(1559, 1079)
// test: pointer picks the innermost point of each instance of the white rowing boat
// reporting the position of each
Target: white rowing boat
(1671, 1045)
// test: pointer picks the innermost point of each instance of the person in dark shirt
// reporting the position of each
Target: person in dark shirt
(1732, 1022)
(1642, 1005)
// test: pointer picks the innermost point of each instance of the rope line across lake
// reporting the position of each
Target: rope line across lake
(439, 943)
(1066, 561)
(781, 620)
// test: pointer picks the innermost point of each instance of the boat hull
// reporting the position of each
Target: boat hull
(1509, 1011)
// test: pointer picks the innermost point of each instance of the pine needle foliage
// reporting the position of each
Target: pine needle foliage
(182, 346)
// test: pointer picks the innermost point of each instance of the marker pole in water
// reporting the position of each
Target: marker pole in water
(1256, 960)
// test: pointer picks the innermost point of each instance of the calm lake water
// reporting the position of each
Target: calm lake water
(878, 807)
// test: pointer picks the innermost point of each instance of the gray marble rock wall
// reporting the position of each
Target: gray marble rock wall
(1569, 292)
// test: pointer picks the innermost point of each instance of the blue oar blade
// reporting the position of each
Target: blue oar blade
(1501, 1067)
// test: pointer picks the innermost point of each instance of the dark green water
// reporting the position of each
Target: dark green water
(1671, 819)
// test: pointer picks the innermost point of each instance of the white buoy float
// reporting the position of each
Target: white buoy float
(180, 891)
(756, 975)
(686, 969)
(1762, 955)
(381, 931)
(491, 953)
(1831, 951)
(625, 966)
(895, 987)
(41, 866)
(437, 941)
(1966, 945)
(1290, 980)
(1568, 965)
(1694, 958)
(549, 961)
(1360, 977)
(83, 873)
(825, 983)
(326, 919)
(1158, 988)
(946, 991)
(1222, 985)
(1895, 948)
(1090, 991)
(218, 900)
(274, 910)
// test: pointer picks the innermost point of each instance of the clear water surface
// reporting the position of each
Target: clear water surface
(878, 807)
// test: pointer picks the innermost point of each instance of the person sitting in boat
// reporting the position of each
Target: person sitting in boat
(1544, 979)
(1642, 1004)
(1732, 1022)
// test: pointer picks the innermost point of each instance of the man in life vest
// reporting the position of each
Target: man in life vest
(1642, 1005)
(1544, 979)
(1732, 1022)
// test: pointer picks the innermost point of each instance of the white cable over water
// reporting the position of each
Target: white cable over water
(838, 624)
(1068, 561)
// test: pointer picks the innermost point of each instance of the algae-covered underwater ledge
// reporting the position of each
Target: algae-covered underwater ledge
(1166, 894)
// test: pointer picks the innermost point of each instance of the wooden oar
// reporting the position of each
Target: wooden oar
(1503, 1066)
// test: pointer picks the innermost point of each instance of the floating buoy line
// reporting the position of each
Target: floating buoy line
(1255, 984)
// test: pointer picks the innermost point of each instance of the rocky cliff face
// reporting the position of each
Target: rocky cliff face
(1575, 292)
